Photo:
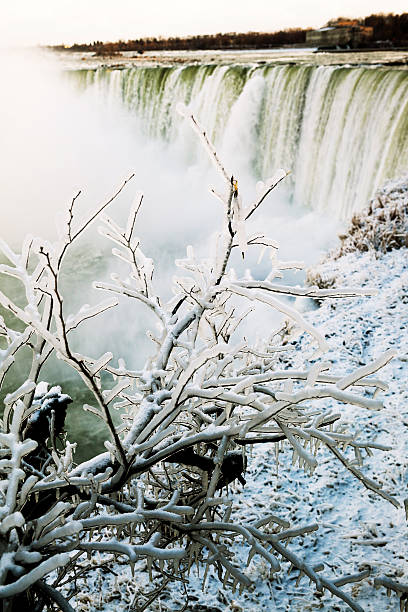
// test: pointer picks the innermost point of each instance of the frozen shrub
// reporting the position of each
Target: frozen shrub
(378, 228)
(382, 226)
(160, 491)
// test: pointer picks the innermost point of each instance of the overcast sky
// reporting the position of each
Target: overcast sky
(28, 22)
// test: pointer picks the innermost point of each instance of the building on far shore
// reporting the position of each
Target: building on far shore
(343, 33)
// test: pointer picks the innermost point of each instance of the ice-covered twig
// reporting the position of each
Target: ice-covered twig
(310, 292)
(202, 134)
(367, 482)
(271, 184)
(71, 235)
(43, 569)
(135, 552)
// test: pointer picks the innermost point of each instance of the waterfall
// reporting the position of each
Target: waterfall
(341, 130)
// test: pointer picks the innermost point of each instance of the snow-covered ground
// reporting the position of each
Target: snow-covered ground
(357, 529)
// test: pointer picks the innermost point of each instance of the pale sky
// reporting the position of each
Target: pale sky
(29, 22)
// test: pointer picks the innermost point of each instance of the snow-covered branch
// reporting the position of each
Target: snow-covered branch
(206, 392)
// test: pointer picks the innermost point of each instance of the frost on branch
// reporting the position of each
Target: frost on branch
(206, 394)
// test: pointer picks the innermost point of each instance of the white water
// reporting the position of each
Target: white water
(342, 131)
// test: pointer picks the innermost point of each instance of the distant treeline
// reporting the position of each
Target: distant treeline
(387, 29)
(231, 40)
